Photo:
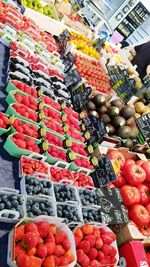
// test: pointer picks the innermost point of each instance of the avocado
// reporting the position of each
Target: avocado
(117, 103)
(128, 143)
(110, 129)
(91, 106)
(127, 112)
(113, 111)
(102, 110)
(105, 118)
(118, 121)
(107, 104)
(94, 113)
(99, 100)
(124, 132)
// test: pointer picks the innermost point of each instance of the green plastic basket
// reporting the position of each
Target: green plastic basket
(11, 87)
(13, 130)
(4, 131)
(51, 131)
(10, 110)
(52, 160)
(73, 167)
(10, 99)
(16, 151)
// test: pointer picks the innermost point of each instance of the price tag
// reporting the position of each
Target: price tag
(144, 125)
(116, 166)
(72, 77)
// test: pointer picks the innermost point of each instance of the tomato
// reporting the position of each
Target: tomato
(140, 162)
(129, 162)
(134, 174)
(139, 215)
(148, 208)
(120, 180)
(130, 195)
(145, 194)
(148, 257)
(146, 167)
(115, 154)
(145, 230)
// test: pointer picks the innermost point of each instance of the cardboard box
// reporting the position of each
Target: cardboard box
(133, 255)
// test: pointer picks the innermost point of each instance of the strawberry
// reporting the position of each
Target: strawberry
(64, 261)
(85, 262)
(23, 261)
(69, 255)
(50, 248)
(96, 232)
(59, 251)
(50, 238)
(31, 227)
(52, 229)
(95, 263)
(35, 261)
(57, 260)
(92, 254)
(87, 229)
(80, 255)
(66, 244)
(77, 241)
(78, 232)
(19, 232)
(99, 243)
(60, 237)
(91, 238)
(85, 245)
(49, 262)
(31, 251)
(30, 240)
(100, 255)
(42, 251)
(40, 241)
(19, 250)
(43, 228)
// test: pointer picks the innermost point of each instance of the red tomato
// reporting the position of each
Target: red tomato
(145, 230)
(146, 167)
(140, 162)
(115, 154)
(139, 215)
(120, 180)
(134, 174)
(129, 162)
(145, 194)
(130, 195)
(148, 257)
(148, 208)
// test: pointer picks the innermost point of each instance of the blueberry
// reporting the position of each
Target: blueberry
(45, 213)
(8, 204)
(2, 206)
(48, 204)
(28, 208)
(4, 198)
(20, 200)
(49, 211)
(45, 184)
(30, 215)
(29, 201)
(11, 216)
(31, 181)
(59, 213)
(15, 203)
(42, 206)
(49, 185)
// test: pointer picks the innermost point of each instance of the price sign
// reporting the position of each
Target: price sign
(144, 125)
(72, 77)
(104, 173)
(68, 61)
(62, 41)
(79, 97)
(112, 208)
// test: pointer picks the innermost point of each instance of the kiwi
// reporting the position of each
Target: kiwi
(117, 103)
(102, 110)
(127, 112)
(110, 129)
(94, 114)
(118, 121)
(124, 132)
(91, 106)
(105, 118)
(99, 100)
(113, 111)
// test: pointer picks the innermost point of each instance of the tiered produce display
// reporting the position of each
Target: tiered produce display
(74, 192)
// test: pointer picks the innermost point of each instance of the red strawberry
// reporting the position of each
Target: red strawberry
(53, 229)
(19, 250)
(20, 136)
(77, 241)
(57, 260)
(60, 237)
(40, 241)
(43, 228)
(20, 143)
(92, 254)
(59, 251)
(66, 244)
(50, 238)
(99, 243)
(106, 239)
(80, 255)
(78, 232)
(42, 251)
(31, 227)
(87, 229)
(30, 239)
(19, 232)
(50, 248)
(95, 263)
(49, 262)
(91, 238)
(100, 255)
(35, 261)
(64, 261)
(31, 251)
(85, 262)
(23, 261)
(85, 245)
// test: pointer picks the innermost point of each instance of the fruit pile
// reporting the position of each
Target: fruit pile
(24, 142)
(94, 73)
(56, 152)
(91, 214)
(71, 213)
(11, 202)
(75, 135)
(26, 128)
(134, 183)
(70, 112)
(84, 45)
(65, 193)
(39, 206)
(28, 101)
(50, 113)
(83, 162)
(25, 88)
(42, 244)
(4, 121)
(96, 246)
(34, 186)
(53, 139)
(79, 149)
(88, 197)
(49, 101)
(72, 123)
(53, 125)
(32, 166)
(79, 178)
(25, 112)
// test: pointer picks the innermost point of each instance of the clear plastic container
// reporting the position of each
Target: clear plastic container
(72, 208)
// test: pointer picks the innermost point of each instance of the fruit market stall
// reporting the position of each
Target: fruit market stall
(72, 180)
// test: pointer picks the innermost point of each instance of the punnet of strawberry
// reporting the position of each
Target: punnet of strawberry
(96, 246)
(42, 243)
(4, 121)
